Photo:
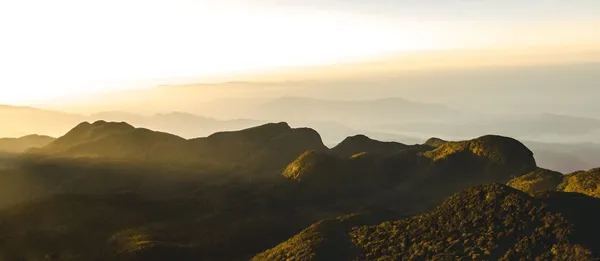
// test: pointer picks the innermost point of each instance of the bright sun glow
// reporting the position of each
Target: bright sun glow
(64, 47)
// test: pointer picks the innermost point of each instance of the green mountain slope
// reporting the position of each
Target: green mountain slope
(445, 169)
(584, 182)
(540, 180)
(490, 222)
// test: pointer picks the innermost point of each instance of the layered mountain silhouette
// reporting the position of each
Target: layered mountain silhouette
(357, 162)
(492, 154)
(390, 171)
(565, 157)
(111, 191)
(352, 111)
(543, 180)
(397, 120)
(276, 144)
(113, 140)
(21, 121)
(22, 144)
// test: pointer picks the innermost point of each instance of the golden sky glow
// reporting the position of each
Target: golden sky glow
(56, 48)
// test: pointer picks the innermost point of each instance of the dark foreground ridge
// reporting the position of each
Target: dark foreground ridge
(489, 222)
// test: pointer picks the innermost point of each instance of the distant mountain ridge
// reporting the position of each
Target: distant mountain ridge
(23, 121)
(122, 141)
(22, 144)
(116, 141)
(275, 145)
(352, 111)
(394, 119)
(361, 143)
(137, 194)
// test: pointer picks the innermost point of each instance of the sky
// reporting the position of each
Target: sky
(52, 49)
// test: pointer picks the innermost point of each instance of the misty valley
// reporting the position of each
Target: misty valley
(299, 130)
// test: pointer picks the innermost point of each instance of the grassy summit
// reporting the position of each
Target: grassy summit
(585, 182)
(499, 149)
(540, 180)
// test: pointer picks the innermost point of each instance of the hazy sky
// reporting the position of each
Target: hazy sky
(63, 47)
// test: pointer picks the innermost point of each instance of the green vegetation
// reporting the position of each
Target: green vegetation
(540, 180)
(487, 159)
(490, 222)
(109, 191)
(501, 150)
(585, 182)
(435, 142)
(324, 240)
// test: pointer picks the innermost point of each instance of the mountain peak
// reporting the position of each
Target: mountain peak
(97, 129)
(537, 181)
(501, 149)
(358, 137)
(100, 134)
(435, 142)
(360, 143)
(265, 130)
(113, 124)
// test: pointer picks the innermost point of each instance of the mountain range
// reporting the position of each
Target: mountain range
(22, 144)
(560, 142)
(22, 121)
(488, 89)
(111, 191)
